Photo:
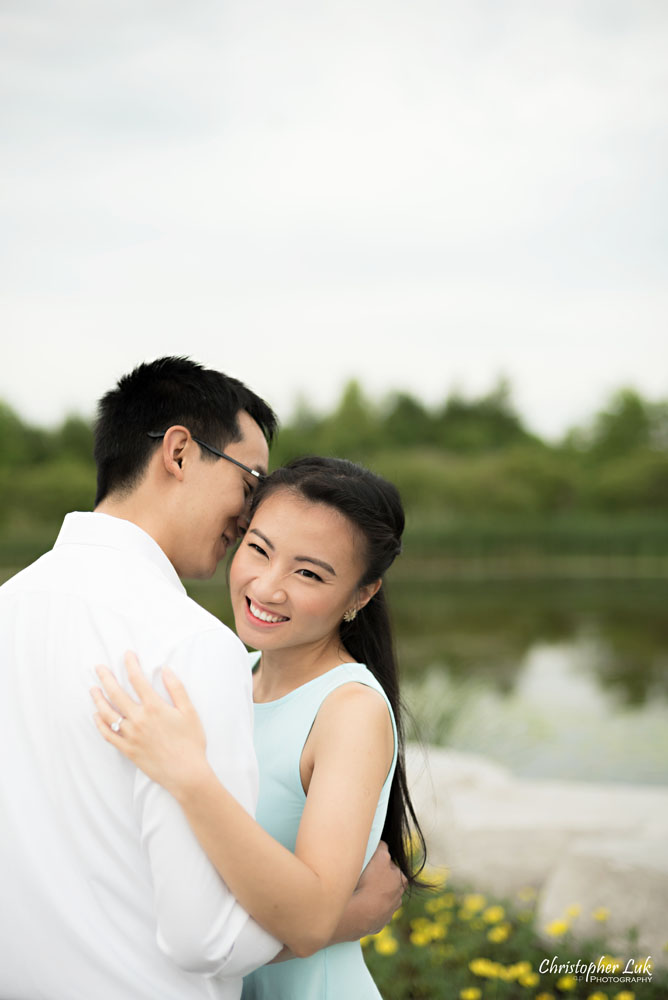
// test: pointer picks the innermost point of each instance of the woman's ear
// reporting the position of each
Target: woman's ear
(174, 445)
(365, 593)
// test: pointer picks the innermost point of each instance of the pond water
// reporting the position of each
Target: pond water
(559, 679)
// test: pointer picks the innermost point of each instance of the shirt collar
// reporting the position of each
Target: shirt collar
(90, 528)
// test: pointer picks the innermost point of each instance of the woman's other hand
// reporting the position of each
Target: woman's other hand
(167, 742)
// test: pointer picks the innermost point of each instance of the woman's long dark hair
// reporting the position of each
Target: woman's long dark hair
(373, 506)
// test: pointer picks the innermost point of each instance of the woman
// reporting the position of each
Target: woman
(306, 589)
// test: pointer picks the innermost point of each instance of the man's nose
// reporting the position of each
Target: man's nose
(243, 520)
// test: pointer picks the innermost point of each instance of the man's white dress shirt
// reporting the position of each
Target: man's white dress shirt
(105, 892)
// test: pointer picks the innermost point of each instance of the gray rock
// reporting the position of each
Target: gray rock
(597, 845)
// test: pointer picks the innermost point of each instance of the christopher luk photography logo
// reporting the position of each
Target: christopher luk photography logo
(606, 970)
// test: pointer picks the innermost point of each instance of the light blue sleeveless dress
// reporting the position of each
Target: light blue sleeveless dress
(281, 730)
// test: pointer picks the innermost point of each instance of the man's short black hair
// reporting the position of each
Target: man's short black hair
(157, 395)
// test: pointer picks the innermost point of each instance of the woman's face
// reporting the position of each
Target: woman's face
(295, 573)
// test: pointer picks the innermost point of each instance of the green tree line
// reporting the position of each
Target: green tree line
(468, 470)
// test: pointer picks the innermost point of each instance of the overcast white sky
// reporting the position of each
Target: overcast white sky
(420, 193)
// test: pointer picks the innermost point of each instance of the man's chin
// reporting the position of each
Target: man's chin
(192, 571)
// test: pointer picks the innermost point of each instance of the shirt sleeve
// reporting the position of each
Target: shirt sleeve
(200, 925)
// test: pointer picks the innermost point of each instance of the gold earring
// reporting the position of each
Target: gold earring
(350, 615)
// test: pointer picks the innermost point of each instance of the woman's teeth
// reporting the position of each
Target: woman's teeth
(263, 615)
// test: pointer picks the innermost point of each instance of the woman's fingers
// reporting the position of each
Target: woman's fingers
(137, 678)
(106, 713)
(115, 693)
(176, 690)
(109, 735)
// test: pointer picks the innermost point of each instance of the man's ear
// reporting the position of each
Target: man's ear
(176, 441)
(366, 593)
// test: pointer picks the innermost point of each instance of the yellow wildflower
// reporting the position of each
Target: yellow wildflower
(422, 927)
(398, 913)
(528, 979)
(470, 993)
(443, 917)
(610, 964)
(386, 945)
(474, 902)
(499, 933)
(544, 996)
(365, 940)
(597, 996)
(518, 969)
(566, 983)
(574, 910)
(485, 967)
(601, 914)
(557, 928)
(439, 903)
(625, 995)
(493, 914)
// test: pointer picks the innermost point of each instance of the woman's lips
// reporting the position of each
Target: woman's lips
(261, 617)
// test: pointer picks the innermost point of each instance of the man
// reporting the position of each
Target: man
(106, 893)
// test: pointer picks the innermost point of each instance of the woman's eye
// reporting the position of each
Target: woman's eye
(258, 548)
(309, 574)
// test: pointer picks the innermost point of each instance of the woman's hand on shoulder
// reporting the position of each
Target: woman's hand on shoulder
(167, 742)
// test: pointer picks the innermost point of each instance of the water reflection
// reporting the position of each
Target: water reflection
(560, 679)
(488, 629)
(556, 721)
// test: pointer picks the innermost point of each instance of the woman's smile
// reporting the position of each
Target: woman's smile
(260, 616)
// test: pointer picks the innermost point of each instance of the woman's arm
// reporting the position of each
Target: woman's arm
(376, 898)
(300, 898)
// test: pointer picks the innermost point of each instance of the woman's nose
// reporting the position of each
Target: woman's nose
(269, 587)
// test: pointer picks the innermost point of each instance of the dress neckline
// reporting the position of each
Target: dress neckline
(306, 684)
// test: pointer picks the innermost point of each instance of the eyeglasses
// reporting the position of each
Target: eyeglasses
(214, 451)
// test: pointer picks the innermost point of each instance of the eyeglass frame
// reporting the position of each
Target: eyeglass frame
(260, 476)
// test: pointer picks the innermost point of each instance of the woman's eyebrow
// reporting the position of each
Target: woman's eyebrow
(310, 559)
(254, 531)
